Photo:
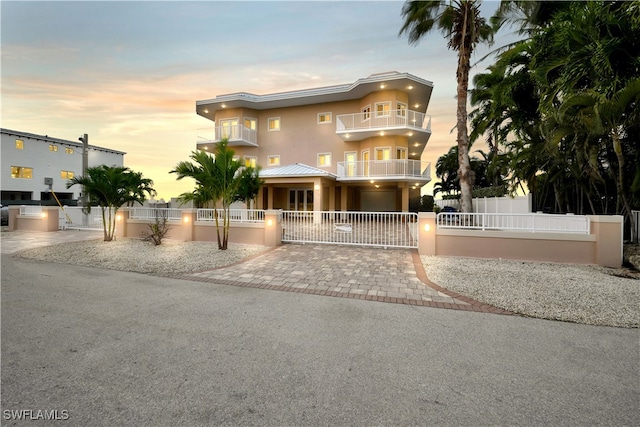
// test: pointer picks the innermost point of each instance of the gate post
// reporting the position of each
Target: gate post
(426, 233)
(273, 228)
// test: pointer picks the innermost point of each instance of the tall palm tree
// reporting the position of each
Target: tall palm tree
(461, 23)
(112, 187)
(218, 180)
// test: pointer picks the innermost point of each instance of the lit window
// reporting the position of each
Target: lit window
(250, 161)
(66, 174)
(21, 172)
(274, 123)
(250, 123)
(324, 159)
(366, 113)
(53, 147)
(401, 153)
(324, 118)
(19, 144)
(402, 110)
(382, 109)
(69, 150)
(383, 153)
(273, 160)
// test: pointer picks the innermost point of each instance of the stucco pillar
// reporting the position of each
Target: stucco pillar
(121, 222)
(405, 196)
(608, 230)
(270, 191)
(317, 201)
(272, 228)
(427, 233)
(188, 224)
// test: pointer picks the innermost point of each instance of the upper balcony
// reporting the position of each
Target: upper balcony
(236, 135)
(358, 126)
(385, 170)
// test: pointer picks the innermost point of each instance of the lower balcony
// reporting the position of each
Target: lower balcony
(358, 126)
(385, 170)
(236, 135)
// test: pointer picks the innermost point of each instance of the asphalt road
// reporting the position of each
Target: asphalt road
(113, 348)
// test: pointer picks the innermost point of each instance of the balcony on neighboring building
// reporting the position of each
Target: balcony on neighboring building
(385, 170)
(358, 126)
(236, 134)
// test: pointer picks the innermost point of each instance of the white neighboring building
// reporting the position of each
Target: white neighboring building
(31, 164)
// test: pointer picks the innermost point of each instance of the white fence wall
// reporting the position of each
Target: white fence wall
(518, 204)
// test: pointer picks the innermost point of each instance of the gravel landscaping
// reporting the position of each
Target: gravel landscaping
(574, 293)
(136, 255)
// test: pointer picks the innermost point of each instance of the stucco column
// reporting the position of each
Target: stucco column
(608, 230)
(121, 223)
(270, 191)
(317, 201)
(405, 196)
(272, 228)
(260, 199)
(188, 224)
(427, 233)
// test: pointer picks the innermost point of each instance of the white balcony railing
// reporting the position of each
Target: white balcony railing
(236, 134)
(371, 169)
(407, 119)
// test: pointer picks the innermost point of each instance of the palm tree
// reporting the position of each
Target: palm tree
(461, 23)
(250, 184)
(218, 181)
(112, 187)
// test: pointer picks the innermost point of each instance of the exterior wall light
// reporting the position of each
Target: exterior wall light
(185, 219)
(43, 214)
(317, 187)
(427, 227)
(118, 217)
(269, 222)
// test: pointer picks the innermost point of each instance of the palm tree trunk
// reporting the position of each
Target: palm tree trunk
(464, 165)
(622, 196)
(215, 214)
(104, 225)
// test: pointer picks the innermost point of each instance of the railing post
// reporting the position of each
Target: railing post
(427, 233)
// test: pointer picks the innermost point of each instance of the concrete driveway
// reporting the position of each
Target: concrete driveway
(114, 348)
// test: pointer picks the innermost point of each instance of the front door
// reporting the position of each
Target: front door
(301, 199)
(365, 162)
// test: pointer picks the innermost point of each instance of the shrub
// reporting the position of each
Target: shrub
(157, 231)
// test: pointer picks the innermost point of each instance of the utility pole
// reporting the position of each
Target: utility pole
(85, 165)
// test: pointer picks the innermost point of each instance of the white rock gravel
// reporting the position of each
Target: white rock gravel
(574, 293)
(136, 255)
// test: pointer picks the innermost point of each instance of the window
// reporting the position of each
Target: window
(324, 159)
(382, 109)
(402, 110)
(274, 123)
(66, 174)
(250, 161)
(53, 147)
(273, 160)
(250, 123)
(401, 153)
(366, 113)
(19, 144)
(21, 172)
(324, 118)
(69, 150)
(350, 158)
(383, 153)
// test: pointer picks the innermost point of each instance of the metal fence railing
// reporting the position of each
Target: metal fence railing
(74, 218)
(384, 229)
(153, 213)
(235, 215)
(515, 222)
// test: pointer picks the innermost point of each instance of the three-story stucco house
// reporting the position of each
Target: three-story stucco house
(351, 147)
(33, 165)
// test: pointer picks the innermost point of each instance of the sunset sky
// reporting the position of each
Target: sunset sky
(129, 73)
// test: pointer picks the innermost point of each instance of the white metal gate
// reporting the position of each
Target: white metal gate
(73, 218)
(383, 229)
